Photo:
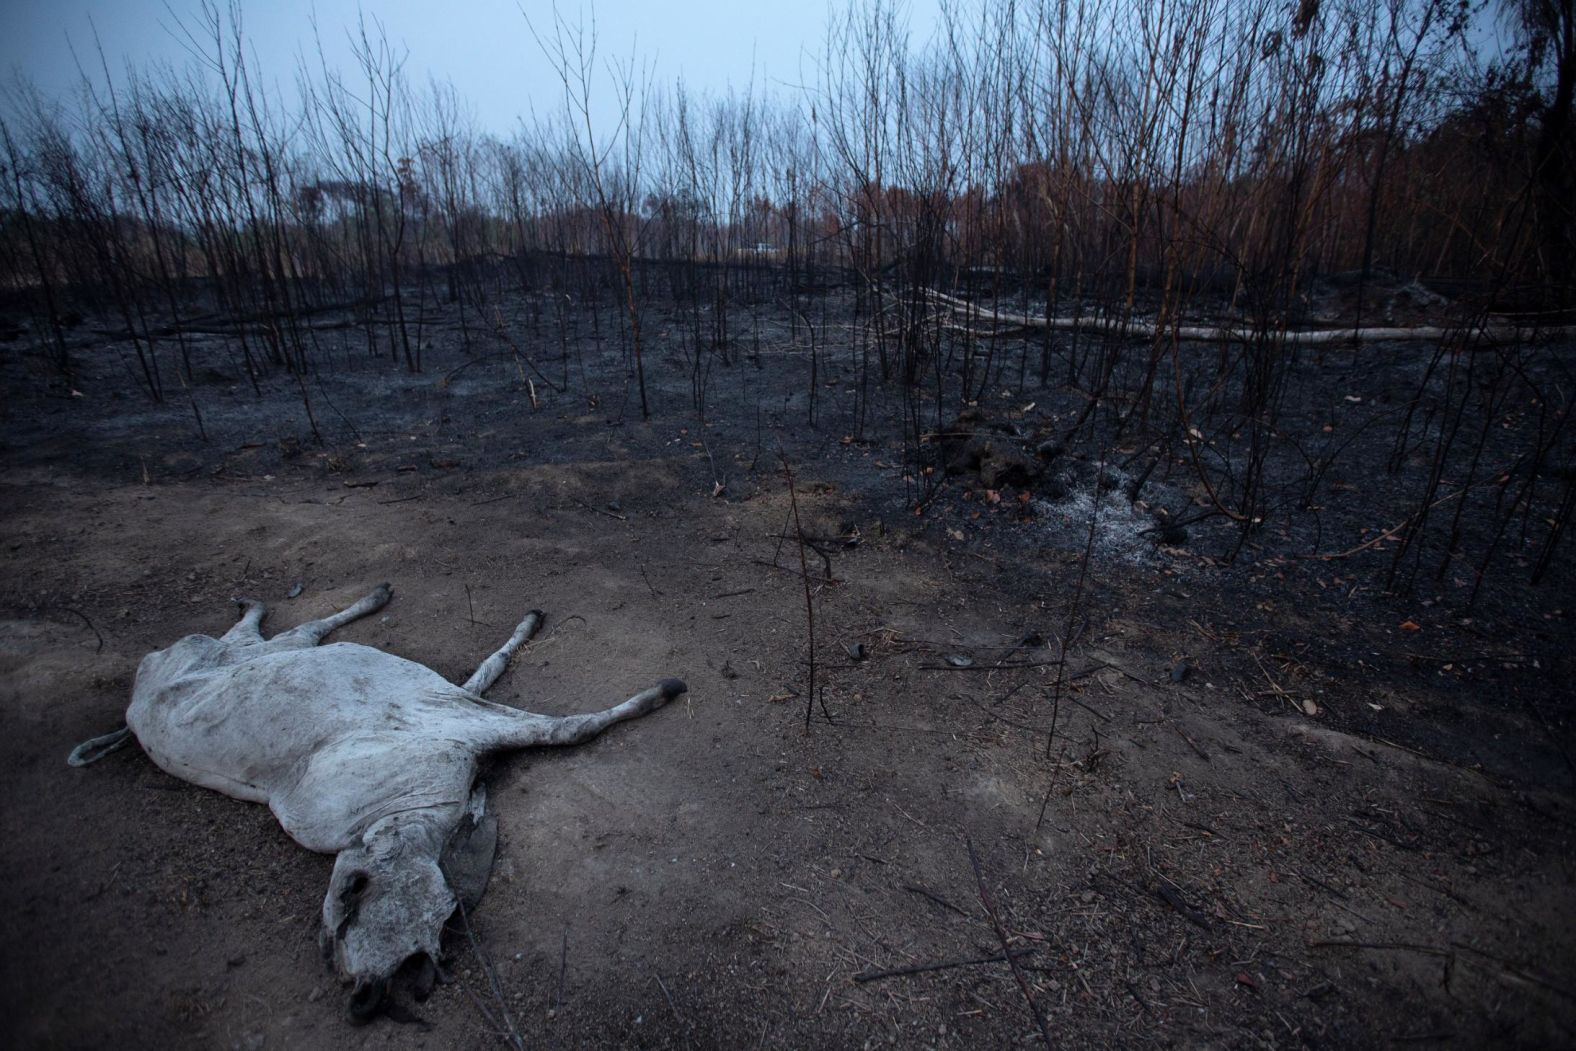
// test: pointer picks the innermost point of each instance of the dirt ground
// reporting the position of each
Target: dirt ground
(1336, 830)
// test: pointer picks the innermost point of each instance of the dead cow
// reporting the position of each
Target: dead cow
(359, 753)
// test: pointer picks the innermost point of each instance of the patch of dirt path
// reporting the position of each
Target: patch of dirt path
(1186, 863)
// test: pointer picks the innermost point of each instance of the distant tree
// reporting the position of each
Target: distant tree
(1546, 37)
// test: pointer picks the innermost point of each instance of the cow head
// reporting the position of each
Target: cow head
(387, 903)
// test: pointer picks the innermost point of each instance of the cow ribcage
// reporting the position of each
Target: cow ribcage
(332, 737)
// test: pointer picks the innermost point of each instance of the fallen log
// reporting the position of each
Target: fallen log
(1139, 329)
(247, 324)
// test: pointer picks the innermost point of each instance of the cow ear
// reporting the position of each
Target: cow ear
(468, 855)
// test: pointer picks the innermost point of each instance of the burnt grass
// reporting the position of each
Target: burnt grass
(1309, 781)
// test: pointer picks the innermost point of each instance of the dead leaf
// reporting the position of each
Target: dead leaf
(1411, 625)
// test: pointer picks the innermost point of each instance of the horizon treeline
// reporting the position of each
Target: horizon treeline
(1046, 192)
(1057, 154)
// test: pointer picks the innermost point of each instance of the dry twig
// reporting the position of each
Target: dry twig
(1001, 935)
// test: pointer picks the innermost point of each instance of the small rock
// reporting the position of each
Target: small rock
(965, 456)
(957, 660)
(1002, 467)
(856, 651)
(1179, 671)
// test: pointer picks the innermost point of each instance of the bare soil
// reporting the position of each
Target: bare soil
(1348, 824)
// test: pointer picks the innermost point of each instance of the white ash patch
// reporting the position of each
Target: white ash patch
(1119, 526)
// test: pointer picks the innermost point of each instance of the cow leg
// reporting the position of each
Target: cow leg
(493, 666)
(534, 730)
(246, 629)
(312, 632)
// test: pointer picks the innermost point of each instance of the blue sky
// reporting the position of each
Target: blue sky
(482, 46)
